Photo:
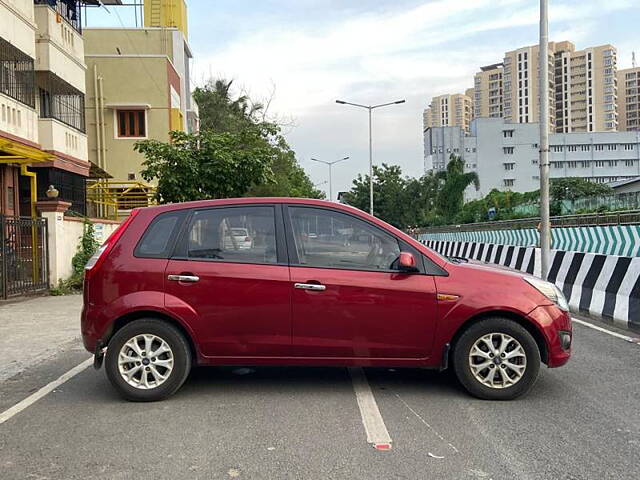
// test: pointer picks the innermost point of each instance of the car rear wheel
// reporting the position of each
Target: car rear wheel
(496, 359)
(147, 360)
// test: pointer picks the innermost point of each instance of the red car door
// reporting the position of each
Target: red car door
(347, 299)
(237, 291)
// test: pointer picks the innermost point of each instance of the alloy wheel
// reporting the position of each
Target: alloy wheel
(145, 361)
(497, 360)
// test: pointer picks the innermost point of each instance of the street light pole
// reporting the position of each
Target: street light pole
(545, 225)
(370, 108)
(331, 164)
(370, 166)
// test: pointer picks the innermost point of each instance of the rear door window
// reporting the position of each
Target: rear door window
(159, 238)
(234, 234)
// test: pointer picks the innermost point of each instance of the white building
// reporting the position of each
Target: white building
(505, 155)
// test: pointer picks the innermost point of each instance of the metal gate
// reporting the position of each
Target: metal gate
(23, 256)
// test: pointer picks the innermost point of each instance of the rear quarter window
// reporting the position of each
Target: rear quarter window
(160, 236)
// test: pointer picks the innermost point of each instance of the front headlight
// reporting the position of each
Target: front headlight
(550, 291)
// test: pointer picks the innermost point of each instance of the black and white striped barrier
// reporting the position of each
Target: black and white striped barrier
(607, 286)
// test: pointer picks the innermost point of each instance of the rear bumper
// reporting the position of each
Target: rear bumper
(90, 337)
(556, 328)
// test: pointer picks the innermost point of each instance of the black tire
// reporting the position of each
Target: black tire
(496, 325)
(180, 349)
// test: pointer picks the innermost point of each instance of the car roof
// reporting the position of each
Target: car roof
(252, 201)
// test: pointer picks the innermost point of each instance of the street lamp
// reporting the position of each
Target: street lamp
(331, 164)
(370, 108)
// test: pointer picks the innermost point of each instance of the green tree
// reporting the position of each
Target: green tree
(454, 181)
(220, 112)
(207, 165)
(573, 187)
(289, 179)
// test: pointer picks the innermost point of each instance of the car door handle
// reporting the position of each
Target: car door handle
(183, 278)
(310, 286)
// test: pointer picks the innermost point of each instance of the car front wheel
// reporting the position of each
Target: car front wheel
(496, 359)
(147, 360)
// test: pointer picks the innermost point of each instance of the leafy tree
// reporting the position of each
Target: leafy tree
(220, 112)
(454, 182)
(207, 165)
(572, 188)
(289, 179)
(388, 193)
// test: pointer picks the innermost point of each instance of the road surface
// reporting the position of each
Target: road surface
(581, 421)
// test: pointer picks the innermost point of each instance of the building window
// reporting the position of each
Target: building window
(17, 74)
(508, 182)
(508, 150)
(131, 123)
(509, 166)
(507, 133)
(60, 100)
(599, 147)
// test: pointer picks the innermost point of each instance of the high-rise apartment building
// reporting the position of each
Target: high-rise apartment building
(488, 92)
(585, 89)
(583, 94)
(521, 81)
(629, 99)
(449, 111)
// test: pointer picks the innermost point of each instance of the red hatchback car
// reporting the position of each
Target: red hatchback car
(320, 284)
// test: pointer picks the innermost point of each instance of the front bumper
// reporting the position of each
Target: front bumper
(555, 326)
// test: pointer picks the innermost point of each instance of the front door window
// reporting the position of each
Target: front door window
(332, 239)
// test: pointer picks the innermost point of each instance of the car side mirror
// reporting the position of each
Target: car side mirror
(407, 263)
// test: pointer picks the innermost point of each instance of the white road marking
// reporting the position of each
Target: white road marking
(604, 330)
(33, 398)
(427, 424)
(374, 426)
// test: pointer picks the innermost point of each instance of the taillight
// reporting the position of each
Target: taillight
(96, 260)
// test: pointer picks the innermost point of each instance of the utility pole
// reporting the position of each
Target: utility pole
(330, 164)
(370, 108)
(545, 225)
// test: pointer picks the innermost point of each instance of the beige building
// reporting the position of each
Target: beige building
(582, 88)
(586, 94)
(42, 118)
(449, 111)
(138, 88)
(521, 80)
(488, 92)
(629, 99)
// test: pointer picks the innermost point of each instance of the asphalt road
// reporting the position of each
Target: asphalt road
(581, 421)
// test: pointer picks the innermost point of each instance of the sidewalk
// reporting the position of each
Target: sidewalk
(34, 330)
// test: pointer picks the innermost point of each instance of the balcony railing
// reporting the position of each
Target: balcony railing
(68, 9)
(17, 74)
(61, 101)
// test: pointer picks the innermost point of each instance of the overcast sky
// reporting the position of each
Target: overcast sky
(310, 53)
